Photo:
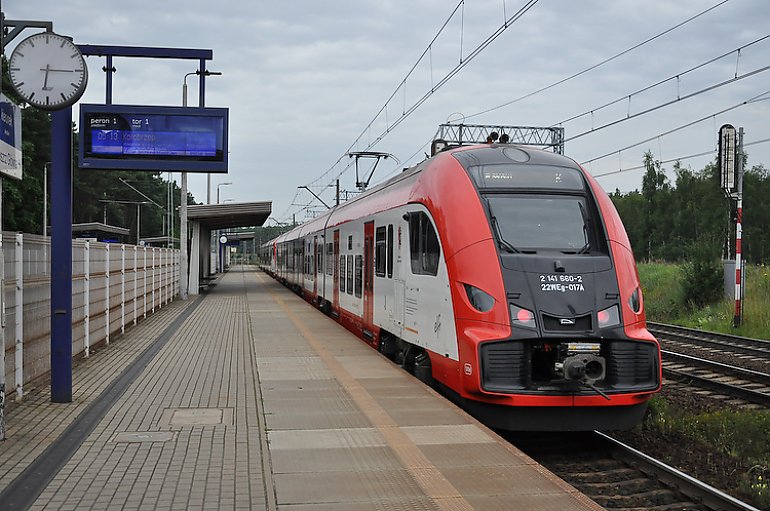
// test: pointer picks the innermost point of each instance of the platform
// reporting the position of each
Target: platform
(249, 398)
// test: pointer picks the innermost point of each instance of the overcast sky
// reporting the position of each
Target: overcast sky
(303, 79)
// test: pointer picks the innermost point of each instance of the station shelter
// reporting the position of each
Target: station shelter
(206, 222)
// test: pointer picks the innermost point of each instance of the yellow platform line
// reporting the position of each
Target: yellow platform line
(425, 473)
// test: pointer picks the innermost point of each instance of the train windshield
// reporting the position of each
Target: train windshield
(531, 223)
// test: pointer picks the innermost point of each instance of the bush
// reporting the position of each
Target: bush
(662, 291)
(702, 276)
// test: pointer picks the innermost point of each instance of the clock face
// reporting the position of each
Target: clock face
(48, 71)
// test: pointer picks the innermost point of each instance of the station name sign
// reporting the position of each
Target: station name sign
(10, 138)
(153, 138)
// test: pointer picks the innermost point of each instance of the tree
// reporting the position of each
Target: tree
(23, 200)
(656, 191)
(756, 219)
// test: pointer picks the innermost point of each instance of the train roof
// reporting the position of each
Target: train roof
(507, 154)
(399, 187)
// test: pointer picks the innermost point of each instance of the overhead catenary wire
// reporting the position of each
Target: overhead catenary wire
(680, 158)
(401, 87)
(669, 103)
(657, 36)
(679, 128)
(481, 47)
(599, 64)
(677, 77)
(651, 109)
(408, 111)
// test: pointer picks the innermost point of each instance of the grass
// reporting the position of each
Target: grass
(664, 303)
(742, 435)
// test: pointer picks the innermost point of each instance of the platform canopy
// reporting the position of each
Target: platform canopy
(230, 215)
(97, 230)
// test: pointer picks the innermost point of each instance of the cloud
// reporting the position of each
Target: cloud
(302, 79)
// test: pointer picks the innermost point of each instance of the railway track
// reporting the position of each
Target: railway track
(731, 366)
(731, 381)
(744, 347)
(621, 478)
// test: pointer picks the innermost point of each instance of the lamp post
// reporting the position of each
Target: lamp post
(183, 281)
(220, 262)
(149, 201)
(184, 92)
(221, 184)
(138, 212)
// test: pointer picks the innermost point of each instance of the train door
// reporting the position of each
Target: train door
(336, 285)
(399, 285)
(368, 275)
(315, 270)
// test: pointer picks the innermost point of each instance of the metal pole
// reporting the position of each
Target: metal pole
(2, 308)
(109, 69)
(138, 220)
(738, 235)
(183, 270)
(2, 266)
(45, 198)
(61, 256)
(170, 241)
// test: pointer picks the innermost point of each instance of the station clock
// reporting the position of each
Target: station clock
(48, 71)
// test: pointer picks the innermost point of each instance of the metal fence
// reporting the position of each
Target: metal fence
(112, 286)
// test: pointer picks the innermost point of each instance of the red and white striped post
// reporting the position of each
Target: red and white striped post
(738, 262)
(738, 234)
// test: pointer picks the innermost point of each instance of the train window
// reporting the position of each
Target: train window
(424, 250)
(342, 273)
(380, 252)
(350, 242)
(390, 251)
(329, 258)
(350, 275)
(290, 253)
(359, 274)
(528, 223)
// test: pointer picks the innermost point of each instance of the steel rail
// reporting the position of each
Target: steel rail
(719, 366)
(688, 485)
(750, 345)
(747, 394)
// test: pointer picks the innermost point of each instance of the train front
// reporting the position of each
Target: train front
(576, 354)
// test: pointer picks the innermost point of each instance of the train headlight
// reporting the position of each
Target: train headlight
(635, 300)
(480, 300)
(522, 317)
(608, 317)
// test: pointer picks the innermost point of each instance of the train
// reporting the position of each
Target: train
(501, 274)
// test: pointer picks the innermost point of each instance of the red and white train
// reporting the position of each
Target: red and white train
(502, 273)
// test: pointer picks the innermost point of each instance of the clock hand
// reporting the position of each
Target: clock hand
(45, 82)
(62, 70)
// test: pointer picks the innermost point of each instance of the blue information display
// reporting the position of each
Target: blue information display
(153, 138)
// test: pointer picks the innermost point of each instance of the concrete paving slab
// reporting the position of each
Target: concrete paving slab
(265, 403)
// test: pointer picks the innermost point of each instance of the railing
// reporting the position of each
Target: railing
(113, 286)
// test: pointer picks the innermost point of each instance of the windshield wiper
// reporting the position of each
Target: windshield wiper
(500, 240)
(583, 215)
